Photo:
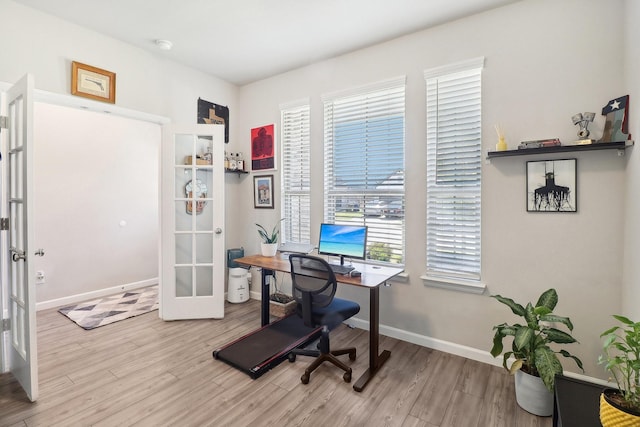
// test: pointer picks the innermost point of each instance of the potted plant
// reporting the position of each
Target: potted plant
(621, 358)
(269, 245)
(536, 363)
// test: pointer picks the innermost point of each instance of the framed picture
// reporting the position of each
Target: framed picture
(92, 82)
(263, 148)
(263, 191)
(551, 186)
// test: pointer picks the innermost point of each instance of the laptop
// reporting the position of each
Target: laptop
(296, 247)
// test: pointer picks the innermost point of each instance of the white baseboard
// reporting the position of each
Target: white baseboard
(72, 299)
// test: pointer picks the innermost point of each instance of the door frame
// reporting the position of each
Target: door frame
(74, 103)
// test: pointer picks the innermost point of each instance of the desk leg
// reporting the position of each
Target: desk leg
(264, 308)
(375, 360)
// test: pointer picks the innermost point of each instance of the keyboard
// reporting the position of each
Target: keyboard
(336, 268)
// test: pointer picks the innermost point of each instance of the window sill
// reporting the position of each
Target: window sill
(454, 285)
(400, 278)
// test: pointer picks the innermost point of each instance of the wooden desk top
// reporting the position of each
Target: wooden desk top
(372, 275)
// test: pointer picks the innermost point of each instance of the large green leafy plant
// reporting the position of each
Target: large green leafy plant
(622, 358)
(531, 340)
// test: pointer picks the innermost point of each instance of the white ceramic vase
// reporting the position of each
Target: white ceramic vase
(532, 395)
(269, 249)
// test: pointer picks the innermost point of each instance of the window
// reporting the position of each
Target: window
(454, 171)
(364, 164)
(296, 174)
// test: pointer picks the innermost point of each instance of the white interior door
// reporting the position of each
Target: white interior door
(18, 160)
(192, 221)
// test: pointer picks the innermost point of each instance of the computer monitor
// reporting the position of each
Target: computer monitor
(343, 241)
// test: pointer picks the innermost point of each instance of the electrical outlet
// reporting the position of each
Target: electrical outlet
(40, 279)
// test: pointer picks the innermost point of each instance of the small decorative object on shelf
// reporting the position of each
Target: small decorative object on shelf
(539, 143)
(501, 145)
(616, 126)
(583, 120)
(240, 161)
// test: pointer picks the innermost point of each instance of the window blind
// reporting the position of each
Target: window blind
(364, 164)
(296, 173)
(454, 171)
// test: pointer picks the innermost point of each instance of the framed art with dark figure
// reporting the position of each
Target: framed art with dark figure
(263, 148)
(551, 186)
(263, 191)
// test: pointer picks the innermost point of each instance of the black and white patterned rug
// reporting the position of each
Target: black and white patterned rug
(102, 311)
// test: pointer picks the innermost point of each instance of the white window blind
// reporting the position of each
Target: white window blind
(296, 173)
(454, 171)
(364, 164)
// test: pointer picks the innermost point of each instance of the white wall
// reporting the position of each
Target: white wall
(545, 61)
(96, 193)
(631, 282)
(45, 46)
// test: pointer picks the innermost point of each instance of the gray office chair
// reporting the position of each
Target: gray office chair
(314, 287)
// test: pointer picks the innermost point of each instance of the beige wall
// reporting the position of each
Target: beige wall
(544, 63)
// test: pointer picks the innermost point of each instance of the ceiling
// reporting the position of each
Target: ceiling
(242, 41)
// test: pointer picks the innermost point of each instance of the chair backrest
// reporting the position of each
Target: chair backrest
(314, 284)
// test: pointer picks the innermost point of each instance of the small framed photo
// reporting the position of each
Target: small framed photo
(93, 83)
(551, 186)
(263, 191)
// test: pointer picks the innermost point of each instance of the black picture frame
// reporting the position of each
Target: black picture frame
(552, 186)
(263, 191)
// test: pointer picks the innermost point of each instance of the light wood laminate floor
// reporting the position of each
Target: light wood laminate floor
(147, 372)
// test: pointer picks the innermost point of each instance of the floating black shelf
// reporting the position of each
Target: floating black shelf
(235, 171)
(618, 145)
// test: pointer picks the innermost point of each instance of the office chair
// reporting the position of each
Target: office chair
(314, 287)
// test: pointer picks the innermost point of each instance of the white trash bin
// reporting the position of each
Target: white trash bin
(238, 284)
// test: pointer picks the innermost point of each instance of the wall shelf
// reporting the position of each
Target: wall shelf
(618, 145)
(239, 172)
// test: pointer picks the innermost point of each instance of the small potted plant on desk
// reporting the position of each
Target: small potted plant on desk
(536, 364)
(621, 407)
(269, 245)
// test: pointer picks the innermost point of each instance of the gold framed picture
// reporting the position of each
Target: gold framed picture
(92, 82)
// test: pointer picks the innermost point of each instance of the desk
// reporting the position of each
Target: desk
(372, 277)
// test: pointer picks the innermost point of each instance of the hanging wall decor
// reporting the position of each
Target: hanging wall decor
(263, 191)
(94, 83)
(263, 148)
(551, 186)
(214, 114)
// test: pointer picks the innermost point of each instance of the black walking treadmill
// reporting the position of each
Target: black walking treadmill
(265, 348)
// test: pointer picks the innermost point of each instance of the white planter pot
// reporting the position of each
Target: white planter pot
(269, 249)
(532, 395)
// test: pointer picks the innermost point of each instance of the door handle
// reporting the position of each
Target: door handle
(218, 230)
(17, 255)
(39, 252)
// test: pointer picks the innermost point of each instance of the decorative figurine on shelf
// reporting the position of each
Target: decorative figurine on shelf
(501, 145)
(583, 120)
(616, 126)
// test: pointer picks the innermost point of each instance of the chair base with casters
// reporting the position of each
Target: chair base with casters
(324, 354)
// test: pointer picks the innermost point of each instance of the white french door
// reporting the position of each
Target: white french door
(18, 162)
(192, 221)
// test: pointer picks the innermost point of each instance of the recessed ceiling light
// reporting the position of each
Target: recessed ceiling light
(164, 44)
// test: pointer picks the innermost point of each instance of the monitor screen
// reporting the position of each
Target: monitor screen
(344, 240)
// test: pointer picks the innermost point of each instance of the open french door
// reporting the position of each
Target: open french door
(18, 161)
(192, 220)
